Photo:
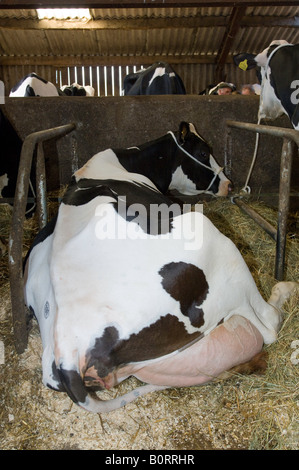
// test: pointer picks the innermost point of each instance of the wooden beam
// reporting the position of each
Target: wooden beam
(270, 21)
(227, 41)
(146, 23)
(114, 24)
(138, 3)
(73, 60)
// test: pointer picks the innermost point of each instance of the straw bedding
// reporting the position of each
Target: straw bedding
(243, 412)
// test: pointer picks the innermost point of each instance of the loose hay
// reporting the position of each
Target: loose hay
(244, 412)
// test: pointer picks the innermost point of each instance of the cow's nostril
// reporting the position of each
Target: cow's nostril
(230, 187)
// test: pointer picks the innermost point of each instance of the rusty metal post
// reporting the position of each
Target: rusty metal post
(288, 149)
(41, 187)
(283, 132)
(16, 232)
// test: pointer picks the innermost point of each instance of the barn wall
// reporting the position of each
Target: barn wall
(128, 121)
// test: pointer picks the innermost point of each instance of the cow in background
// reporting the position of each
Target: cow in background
(33, 85)
(11, 146)
(158, 79)
(279, 76)
(76, 90)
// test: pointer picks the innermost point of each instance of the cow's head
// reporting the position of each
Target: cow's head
(197, 170)
(270, 104)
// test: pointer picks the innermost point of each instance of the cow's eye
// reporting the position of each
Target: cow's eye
(204, 155)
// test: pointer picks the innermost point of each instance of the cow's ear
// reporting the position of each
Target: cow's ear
(245, 61)
(183, 131)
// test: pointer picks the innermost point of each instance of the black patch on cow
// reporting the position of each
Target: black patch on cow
(157, 160)
(286, 59)
(72, 91)
(187, 284)
(157, 212)
(141, 83)
(29, 91)
(59, 387)
(73, 385)
(164, 336)
(83, 191)
(201, 175)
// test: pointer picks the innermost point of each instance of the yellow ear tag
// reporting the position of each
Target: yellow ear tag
(243, 65)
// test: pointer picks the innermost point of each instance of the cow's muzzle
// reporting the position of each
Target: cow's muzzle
(225, 188)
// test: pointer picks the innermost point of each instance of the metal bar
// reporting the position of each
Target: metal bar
(41, 188)
(285, 133)
(16, 232)
(10, 200)
(141, 3)
(288, 149)
(256, 217)
(290, 139)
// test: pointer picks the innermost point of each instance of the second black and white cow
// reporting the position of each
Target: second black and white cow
(158, 79)
(279, 70)
(34, 85)
(124, 283)
(76, 90)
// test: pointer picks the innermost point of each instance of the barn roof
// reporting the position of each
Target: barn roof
(184, 32)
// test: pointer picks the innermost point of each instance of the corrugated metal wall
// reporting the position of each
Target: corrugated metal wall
(170, 43)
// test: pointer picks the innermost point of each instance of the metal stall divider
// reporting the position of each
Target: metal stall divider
(20, 326)
(290, 143)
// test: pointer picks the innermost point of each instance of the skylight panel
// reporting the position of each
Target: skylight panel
(64, 13)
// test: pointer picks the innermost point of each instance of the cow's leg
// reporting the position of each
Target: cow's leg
(281, 293)
(234, 342)
(270, 313)
(272, 317)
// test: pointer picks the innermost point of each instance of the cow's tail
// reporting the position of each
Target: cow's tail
(75, 388)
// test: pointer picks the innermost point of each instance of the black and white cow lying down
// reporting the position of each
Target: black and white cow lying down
(279, 71)
(122, 283)
(158, 79)
(33, 85)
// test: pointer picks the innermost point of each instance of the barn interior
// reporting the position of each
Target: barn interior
(109, 41)
(198, 39)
